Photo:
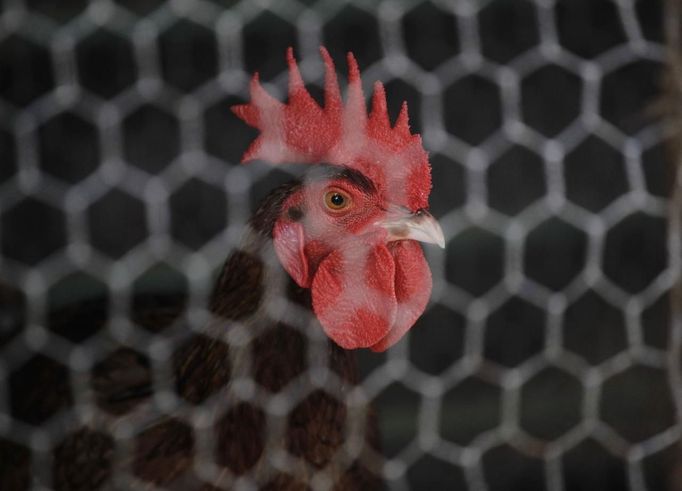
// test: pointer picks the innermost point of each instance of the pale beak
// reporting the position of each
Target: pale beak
(420, 226)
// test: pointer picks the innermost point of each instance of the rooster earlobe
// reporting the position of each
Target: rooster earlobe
(289, 242)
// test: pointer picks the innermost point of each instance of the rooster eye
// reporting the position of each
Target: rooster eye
(336, 200)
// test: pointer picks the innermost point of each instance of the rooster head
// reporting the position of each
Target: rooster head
(350, 231)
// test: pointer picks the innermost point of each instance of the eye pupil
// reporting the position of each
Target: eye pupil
(337, 199)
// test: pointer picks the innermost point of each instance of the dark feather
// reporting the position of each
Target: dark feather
(164, 449)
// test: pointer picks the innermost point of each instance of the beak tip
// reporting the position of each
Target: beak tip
(422, 227)
(439, 238)
(437, 233)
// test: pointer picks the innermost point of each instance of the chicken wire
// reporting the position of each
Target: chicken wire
(545, 359)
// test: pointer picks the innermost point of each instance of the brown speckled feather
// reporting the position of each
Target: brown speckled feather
(164, 449)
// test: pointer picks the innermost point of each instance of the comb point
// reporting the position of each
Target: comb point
(379, 108)
(332, 94)
(402, 123)
(255, 87)
(295, 79)
(355, 106)
(326, 57)
(247, 113)
(252, 152)
(353, 69)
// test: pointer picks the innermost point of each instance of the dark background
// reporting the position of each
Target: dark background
(542, 361)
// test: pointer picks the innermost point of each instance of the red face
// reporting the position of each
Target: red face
(369, 280)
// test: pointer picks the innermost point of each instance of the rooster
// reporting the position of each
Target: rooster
(329, 263)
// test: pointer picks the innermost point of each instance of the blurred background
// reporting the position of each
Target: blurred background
(544, 360)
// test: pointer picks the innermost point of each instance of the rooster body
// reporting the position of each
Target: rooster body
(268, 386)
(273, 354)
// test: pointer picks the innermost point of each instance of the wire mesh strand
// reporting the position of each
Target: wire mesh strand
(546, 345)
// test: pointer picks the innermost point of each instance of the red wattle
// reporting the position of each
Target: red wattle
(412, 288)
(354, 296)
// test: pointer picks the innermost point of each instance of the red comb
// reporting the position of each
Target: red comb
(338, 133)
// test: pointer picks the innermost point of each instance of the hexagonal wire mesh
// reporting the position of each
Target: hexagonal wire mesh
(542, 361)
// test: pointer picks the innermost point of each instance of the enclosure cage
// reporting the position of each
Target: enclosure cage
(548, 355)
